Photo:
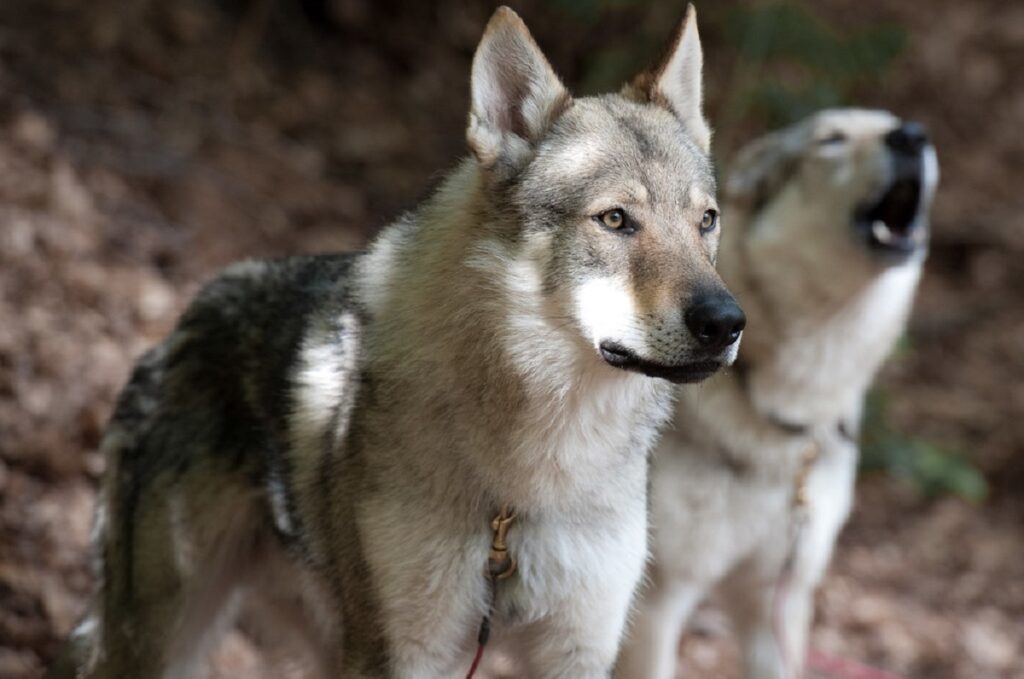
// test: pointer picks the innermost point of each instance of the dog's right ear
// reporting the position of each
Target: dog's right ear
(676, 80)
(515, 92)
(762, 168)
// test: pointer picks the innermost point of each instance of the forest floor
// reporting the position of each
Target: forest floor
(140, 153)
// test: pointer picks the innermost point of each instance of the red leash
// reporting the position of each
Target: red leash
(476, 661)
(844, 669)
(485, 628)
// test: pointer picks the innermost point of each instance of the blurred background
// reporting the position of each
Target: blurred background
(146, 144)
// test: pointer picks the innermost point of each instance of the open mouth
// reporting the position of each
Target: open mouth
(620, 357)
(891, 225)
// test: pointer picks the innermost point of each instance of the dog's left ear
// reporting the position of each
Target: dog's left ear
(676, 82)
(515, 92)
(762, 168)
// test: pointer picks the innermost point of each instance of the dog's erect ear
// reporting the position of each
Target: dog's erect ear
(675, 82)
(515, 92)
(762, 168)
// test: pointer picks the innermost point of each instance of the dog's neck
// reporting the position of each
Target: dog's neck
(811, 361)
(549, 420)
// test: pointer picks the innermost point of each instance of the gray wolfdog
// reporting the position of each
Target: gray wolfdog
(327, 439)
(828, 236)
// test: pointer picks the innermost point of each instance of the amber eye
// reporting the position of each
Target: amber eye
(709, 222)
(615, 220)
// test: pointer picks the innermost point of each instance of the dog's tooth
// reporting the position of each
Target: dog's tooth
(881, 231)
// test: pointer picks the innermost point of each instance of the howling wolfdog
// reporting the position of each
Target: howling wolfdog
(829, 227)
(448, 433)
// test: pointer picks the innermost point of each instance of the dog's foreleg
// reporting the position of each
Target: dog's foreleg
(754, 601)
(772, 624)
(583, 639)
(429, 588)
(771, 606)
(652, 644)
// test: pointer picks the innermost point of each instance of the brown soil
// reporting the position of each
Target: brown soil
(142, 149)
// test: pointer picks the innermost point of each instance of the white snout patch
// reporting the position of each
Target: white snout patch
(606, 310)
(732, 351)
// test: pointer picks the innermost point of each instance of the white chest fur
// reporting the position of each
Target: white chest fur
(820, 372)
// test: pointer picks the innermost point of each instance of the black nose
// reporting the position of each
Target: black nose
(716, 322)
(908, 138)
